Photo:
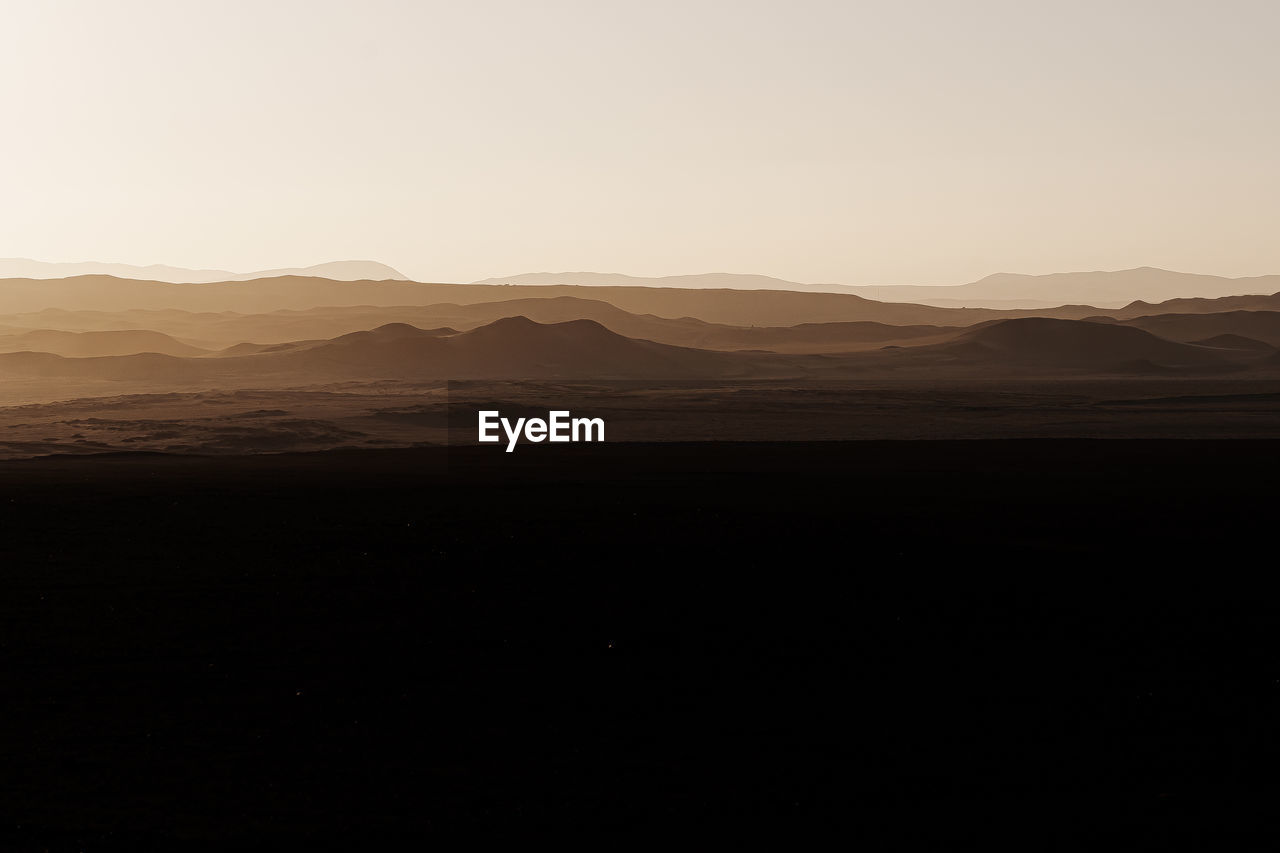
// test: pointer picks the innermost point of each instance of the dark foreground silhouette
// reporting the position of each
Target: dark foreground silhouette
(919, 642)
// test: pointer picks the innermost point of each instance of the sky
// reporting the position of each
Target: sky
(847, 142)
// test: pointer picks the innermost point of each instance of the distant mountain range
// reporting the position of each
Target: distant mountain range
(735, 307)
(96, 333)
(519, 348)
(1001, 291)
(1104, 289)
(747, 308)
(335, 270)
(506, 348)
(715, 280)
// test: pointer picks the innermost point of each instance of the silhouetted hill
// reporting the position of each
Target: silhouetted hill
(817, 337)
(561, 309)
(731, 307)
(89, 344)
(683, 331)
(221, 330)
(736, 307)
(389, 332)
(141, 367)
(519, 348)
(1236, 342)
(775, 307)
(509, 348)
(576, 347)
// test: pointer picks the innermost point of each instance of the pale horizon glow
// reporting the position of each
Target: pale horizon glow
(843, 142)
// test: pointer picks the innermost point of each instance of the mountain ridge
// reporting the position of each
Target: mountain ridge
(1003, 290)
(349, 270)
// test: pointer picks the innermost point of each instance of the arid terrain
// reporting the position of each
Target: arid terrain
(240, 367)
(448, 425)
(911, 569)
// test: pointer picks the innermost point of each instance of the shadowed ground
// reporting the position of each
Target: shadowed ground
(914, 641)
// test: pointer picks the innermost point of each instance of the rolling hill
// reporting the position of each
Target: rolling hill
(220, 330)
(1076, 344)
(1196, 305)
(509, 348)
(512, 347)
(517, 347)
(1260, 325)
(1235, 342)
(730, 307)
(91, 344)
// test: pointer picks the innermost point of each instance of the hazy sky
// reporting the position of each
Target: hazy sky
(855, 142)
